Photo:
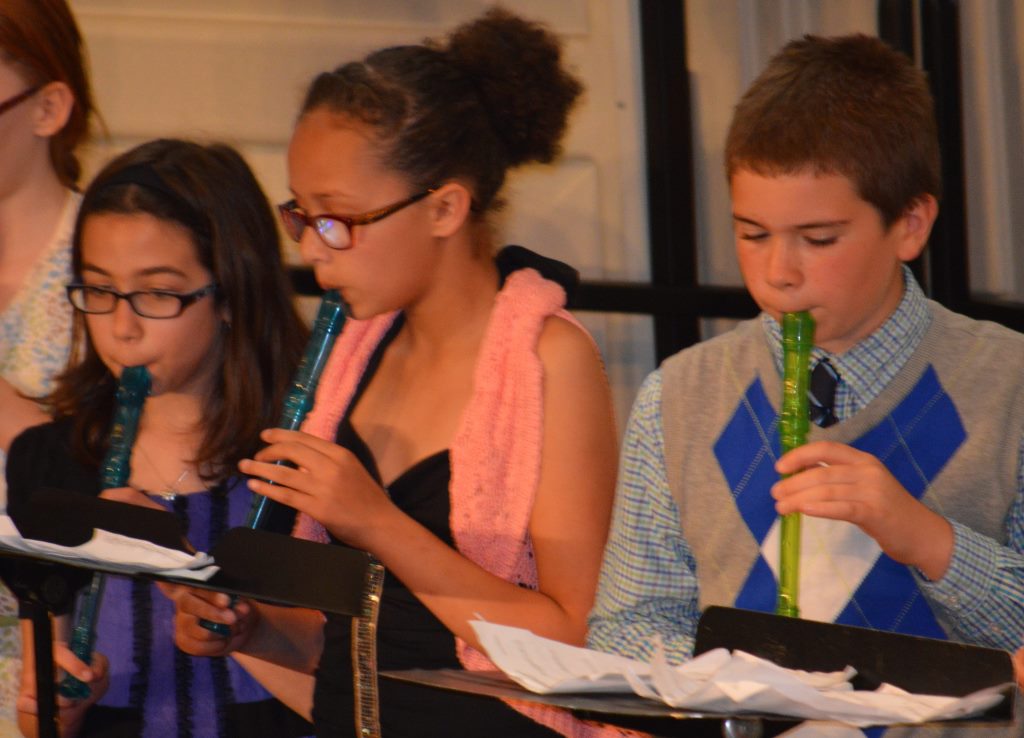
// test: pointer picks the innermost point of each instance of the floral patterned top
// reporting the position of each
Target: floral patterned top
(35, 328)
(35, 334)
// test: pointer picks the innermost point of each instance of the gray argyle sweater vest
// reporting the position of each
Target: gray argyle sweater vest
(948, 427)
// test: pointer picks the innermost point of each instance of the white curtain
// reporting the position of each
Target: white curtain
(730, 41)
(992, 54)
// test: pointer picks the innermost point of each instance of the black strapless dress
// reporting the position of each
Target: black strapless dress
(408, 634)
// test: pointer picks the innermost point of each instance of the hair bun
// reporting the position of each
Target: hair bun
(516, 67)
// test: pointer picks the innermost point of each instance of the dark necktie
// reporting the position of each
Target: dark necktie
(821, 395)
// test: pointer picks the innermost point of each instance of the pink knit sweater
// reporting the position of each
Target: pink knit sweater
(495, 453)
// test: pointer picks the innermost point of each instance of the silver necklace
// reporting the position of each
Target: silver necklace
(170, 491)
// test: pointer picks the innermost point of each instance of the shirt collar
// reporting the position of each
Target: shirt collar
(867, 367)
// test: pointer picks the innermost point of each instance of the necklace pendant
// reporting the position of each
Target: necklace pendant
(168, 494)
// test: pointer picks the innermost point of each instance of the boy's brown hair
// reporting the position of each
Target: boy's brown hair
(847, 105)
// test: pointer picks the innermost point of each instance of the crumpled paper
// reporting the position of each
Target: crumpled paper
(115, 552)
(717, 681)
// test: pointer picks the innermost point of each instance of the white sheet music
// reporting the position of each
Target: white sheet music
(717, 681)
(129, 555)
(548, 667)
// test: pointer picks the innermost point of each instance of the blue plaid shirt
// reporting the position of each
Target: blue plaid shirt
(648, 586)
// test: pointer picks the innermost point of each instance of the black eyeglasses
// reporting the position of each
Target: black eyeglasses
(17, 99)
(336, 230)
(146, 303)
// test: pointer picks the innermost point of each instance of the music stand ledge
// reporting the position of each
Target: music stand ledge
(268, 567)
(921, 665)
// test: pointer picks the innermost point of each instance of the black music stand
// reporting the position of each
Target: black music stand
(268, 567)
(922, 665)
(913, 663)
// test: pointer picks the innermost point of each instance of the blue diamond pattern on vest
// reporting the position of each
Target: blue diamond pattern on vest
(914, 442)
(746, 451)
(920, 436)
(888, 599)
(759, 591)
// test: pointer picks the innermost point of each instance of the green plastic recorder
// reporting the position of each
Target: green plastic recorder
(797, 340)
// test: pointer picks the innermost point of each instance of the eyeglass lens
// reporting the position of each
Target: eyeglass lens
(336, 230)
(335, 233)
(149, 304)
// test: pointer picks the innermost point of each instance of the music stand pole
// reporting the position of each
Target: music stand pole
(42, 645)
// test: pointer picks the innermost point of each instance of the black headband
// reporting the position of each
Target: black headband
(143, 176)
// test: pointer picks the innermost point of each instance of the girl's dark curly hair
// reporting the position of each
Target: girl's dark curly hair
(494, 95)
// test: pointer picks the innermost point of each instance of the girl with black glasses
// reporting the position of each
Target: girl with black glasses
(176, 269)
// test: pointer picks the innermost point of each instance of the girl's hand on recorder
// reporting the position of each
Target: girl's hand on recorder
(192, 605)
(70, 711)
(328, 483)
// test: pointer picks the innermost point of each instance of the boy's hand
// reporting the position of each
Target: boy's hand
(836, 481)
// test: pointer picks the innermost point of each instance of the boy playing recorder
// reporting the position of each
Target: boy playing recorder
(911, 479)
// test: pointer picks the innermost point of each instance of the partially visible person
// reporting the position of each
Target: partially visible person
(45, 108)
(176, 268)
(463, 430)
(912, 481)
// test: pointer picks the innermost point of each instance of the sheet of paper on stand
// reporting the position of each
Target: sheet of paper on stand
(118, 552)
(549, 667)
(717, 681)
